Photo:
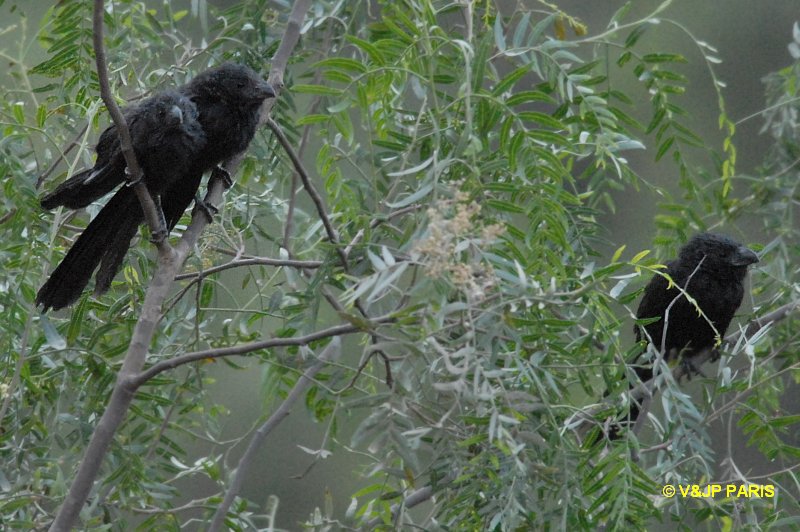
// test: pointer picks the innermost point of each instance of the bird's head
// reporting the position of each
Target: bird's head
(719, 253)
(235, 84)
(171, 109)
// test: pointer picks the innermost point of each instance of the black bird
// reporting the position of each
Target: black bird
(166, 136)
(177, 136)
(711, 268)
(229, 100)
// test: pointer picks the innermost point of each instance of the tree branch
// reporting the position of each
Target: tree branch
(288, 226)
(62, 155)
(134, 170)
(413, 499)
(331, 351)
(253, 261)
(291, 36)
(243, 349)
(309, 186)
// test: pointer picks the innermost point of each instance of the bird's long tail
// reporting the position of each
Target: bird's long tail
(85, 187)
(116, 250)
(174, 202)
(106, 239)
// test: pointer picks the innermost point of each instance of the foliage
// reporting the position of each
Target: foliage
(467, 158)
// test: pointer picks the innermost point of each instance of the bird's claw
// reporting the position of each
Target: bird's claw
(690, 368)
(129, 180)
(222, 173)
(206, 208)
(159, 236)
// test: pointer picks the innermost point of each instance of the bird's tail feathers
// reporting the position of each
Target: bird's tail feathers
(85, 187)
(115, 252)
(111, 225)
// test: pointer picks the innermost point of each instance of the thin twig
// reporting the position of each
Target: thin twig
(289, 223)
(10, 392)
(7, 216)
(291, 36)
(326, 222)
(253, 261)
(413, 499)
(121, 125)
(331, 351)
(310, 188)
(62, 155)
(243, 349)
(682, 293)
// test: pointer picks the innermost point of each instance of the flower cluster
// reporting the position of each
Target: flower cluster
(453, 245)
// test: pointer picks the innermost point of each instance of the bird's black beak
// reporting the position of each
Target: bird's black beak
(264, 90)
(744, 257)
(176, 114)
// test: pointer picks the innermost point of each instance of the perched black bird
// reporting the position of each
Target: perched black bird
(177, 136)
(710, 268)
(166, 136)
(229, 100)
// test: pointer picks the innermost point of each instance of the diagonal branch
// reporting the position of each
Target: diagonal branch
(291, 36)
(251, 261)
(134, 170)
(337, 330)
(309, 186)
(411, 500)
(331, 351)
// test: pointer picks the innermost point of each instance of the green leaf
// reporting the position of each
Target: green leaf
(499, 36)
(479, 62)
(423, 191)
(639, 256)
(528, 96)
(369, 48)
(18, 109)
(341, 63)
(664, 148)
(510, 79)
(41, 115)
(663, 58)
(541, 118)
(522, 27)
(506, 206)
(312, 119)
(618, 253)
(317, 89)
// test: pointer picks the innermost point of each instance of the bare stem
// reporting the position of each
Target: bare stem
(244, 349)
(310, 188)
(126, 144)
(332, 350)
